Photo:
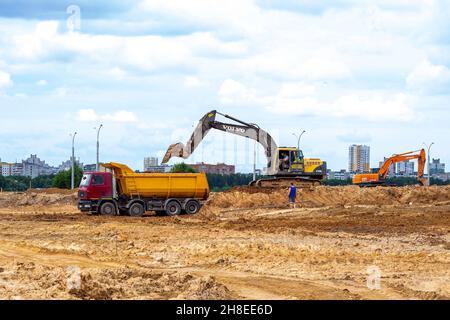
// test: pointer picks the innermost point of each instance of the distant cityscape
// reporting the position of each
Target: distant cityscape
(34, 167)
(359, 162)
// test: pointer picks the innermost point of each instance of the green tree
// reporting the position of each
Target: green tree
(63, 178)
(337, 182)
(222, 182)
(182, 167)
(42, 182)
(14, 183)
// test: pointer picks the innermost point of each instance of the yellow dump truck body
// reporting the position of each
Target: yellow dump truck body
(159, 185)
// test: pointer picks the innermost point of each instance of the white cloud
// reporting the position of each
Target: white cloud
(41, 82)
(192, 82)
(117, 73)
(374, 107)
(238, 15)
(5, 79)
(60, 92)
(304, 106)
(294, 89)
(87, 115)
(296, 62)
(121, 116)
(90, 115)
(232, 92)
(46, 29)
(429, 77)
(299, 98)
(34, 44)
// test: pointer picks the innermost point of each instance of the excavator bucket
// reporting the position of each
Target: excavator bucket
(423, 181)
(185, 150)
(174, 150)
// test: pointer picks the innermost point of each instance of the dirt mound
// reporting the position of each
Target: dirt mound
(53, 191)
(244, 197)
(38, 197)
(107, 284)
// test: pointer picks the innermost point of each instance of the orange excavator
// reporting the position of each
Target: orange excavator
(379, 178)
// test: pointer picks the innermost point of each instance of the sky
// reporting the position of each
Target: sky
(363, 72)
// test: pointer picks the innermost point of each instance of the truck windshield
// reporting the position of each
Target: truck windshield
(85, 180)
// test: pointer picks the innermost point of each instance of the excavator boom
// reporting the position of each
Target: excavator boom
(208, 122)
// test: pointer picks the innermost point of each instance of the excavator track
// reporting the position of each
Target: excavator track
(285, 182)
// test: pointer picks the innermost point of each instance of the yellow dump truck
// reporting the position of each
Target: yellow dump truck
(120, 190)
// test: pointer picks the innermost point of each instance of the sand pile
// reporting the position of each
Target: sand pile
(330, 196)
(105, 284)
(38, 197)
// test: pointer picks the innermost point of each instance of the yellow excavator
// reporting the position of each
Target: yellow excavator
(284, 164)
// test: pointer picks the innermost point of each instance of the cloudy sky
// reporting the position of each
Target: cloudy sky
(369, 72)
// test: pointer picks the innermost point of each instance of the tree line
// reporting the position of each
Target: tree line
(61, 180)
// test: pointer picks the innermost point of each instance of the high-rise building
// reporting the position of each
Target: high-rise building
(34, 167)
(358, 158)
(5, 169)
(150, 162)
(405, 168)
(437, 167)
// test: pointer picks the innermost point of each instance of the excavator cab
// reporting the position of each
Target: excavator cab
(290, 160)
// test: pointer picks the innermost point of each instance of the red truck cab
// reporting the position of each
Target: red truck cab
(94, 187)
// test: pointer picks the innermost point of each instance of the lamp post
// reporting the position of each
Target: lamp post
(72, 179)
(428, 154)
(298, 138)
(98, 147)
(254, 161)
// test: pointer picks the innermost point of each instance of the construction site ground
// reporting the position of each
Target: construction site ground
(244, 244)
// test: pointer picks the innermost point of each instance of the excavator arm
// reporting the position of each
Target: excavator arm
(404, 157)
(208, 122)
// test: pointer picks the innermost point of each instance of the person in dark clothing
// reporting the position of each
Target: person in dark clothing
(292, 195)
(284, 162)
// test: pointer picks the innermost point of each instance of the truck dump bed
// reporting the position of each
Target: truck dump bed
(159, 185)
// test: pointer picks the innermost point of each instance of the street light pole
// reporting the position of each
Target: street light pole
(254, 161)
(72, 179)
(429, 161)
(98, 147)
(298, 138)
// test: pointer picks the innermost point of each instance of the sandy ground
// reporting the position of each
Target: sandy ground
(339, 243)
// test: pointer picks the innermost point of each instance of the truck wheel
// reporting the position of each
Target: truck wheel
(173, 208)
(192, 206)
(107, 208)
(136, 210)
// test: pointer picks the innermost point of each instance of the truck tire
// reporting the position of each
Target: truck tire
(173, 208)
(136, 210)
(107, 209)
(192, 207)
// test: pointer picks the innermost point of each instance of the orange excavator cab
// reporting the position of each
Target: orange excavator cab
(379, 178)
